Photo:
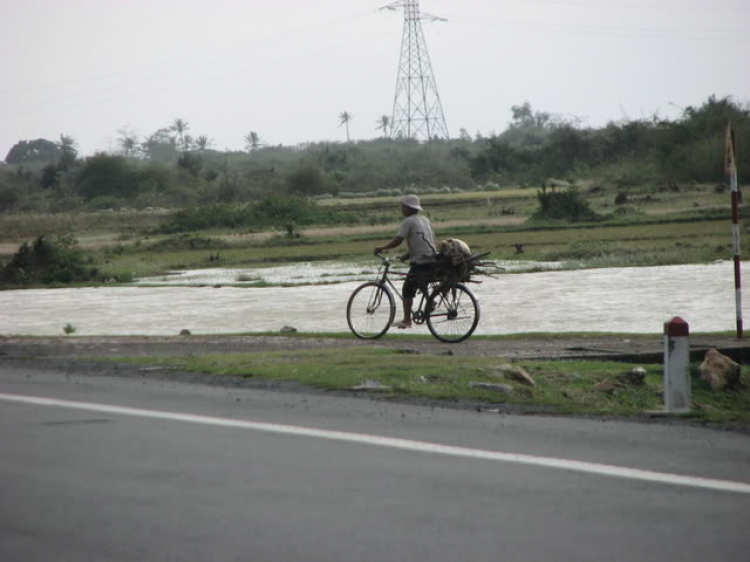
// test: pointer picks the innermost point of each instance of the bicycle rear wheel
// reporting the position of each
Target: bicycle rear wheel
(370, 311)
(453, 313)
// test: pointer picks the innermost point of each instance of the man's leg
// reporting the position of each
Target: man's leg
(407, 311)
(408, 291)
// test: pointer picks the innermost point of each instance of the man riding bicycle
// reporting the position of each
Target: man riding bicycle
(417, 231)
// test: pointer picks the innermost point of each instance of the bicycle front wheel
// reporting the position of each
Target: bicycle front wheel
(453, 313)
(370, 311)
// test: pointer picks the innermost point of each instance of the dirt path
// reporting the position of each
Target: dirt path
(628, 348)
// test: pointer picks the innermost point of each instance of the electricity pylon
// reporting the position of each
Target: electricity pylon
(417, 111)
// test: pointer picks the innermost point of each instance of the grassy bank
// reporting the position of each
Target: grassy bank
(562, 387)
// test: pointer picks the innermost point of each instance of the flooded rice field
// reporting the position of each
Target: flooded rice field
(636, 300)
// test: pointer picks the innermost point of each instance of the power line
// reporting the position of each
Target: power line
(161, 84)
(189, 62)
(710, 6)
(612, 30)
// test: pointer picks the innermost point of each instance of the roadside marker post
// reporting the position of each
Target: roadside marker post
(676, 366)
(730, 165)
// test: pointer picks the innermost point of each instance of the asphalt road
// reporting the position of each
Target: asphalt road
(194, 472)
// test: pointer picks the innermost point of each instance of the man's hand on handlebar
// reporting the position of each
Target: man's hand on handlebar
(392, 244)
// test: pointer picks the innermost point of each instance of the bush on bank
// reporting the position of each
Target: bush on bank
(567, 205)
(48, 261)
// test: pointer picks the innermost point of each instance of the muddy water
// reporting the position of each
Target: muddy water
(617, 299)
(635, 300)
(303, 273)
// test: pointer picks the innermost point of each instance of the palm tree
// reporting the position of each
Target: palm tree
(187, 143)
(67, 144)
(203, 142)
(68, 152)
(252, 141)
(179, 126)
(383, 123)
(160, 145)
(344, 119)
(129, 145)
(128, 142)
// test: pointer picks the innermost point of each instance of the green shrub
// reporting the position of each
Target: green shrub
(155, 177)
(191, 163)
(105, 202)
(9, 197)
(621, 198)
(276, 211)
(566, 205)
(283, 211)
(55, 260)
(700, 161)
(207, 217)
(106, 175)
(310, 180)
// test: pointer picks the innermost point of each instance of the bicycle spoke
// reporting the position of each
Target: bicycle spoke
(370, 311)
(455, 314)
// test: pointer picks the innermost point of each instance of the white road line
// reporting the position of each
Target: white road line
(394, 443)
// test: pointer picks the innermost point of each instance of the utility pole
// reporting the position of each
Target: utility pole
(417, 111)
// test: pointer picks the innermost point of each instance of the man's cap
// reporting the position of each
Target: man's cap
(411, 201)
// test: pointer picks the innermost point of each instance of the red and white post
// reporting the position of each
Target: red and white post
(731, 169)
(676, 366)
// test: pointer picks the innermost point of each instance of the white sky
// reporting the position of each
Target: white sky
(288, 68)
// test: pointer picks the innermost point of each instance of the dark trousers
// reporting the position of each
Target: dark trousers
(419, 277)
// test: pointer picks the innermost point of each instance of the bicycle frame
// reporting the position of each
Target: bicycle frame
(418, 314)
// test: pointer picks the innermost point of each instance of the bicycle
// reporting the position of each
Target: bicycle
(449, 308)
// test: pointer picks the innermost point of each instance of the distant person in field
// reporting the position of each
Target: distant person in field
(420, 241)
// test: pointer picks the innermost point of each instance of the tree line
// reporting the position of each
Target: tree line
(171, 168)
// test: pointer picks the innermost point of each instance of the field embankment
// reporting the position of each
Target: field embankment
(649, 228)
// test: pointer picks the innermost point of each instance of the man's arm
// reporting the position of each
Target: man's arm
(392, 244)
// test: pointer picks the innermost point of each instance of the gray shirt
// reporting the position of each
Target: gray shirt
(417, 232)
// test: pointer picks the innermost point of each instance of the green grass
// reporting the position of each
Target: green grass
(644, 244)
(563, 387)
(105, 225)
(485, 204)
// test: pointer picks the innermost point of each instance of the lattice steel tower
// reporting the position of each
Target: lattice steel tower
(417, 111)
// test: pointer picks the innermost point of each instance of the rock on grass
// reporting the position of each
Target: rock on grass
(493, 387)
(513, 372)
(719, 371)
